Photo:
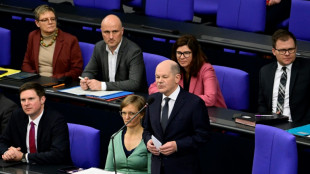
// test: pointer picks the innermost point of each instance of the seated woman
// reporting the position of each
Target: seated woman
(131, 155)
(198, 76)
(50, 51)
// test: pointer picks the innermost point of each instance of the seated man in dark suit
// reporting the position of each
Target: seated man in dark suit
(179, 120)
(117, 63)
(284, 85)
(6, 109)
(34, 133)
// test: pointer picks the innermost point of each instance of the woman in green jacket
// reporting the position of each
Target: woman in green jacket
(131, 154)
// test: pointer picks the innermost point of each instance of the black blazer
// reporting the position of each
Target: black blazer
(53, 145)
(299, 90)
(188, 125)
(6, 108)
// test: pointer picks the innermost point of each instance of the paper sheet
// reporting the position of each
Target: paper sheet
(77, 90)
(96, 171)
(156, 142)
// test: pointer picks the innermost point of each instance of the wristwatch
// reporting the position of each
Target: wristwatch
(24, 158)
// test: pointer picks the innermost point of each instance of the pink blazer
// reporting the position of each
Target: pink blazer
(67, 59)
(205, 85)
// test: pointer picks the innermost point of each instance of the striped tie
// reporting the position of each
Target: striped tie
(281, 94)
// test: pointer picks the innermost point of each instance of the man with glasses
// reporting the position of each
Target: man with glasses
(50, 51)
(284, 85)
(117, 63)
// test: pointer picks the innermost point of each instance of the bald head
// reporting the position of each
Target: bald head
(111, 20)
(112, 31)
(167, 77)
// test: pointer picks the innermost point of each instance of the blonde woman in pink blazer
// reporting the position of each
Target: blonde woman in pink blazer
(198, 75)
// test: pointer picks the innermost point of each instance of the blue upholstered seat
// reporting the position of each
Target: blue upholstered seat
(135, 3)
(299, 21)
(84, 145)
(101, 4)
(245, 15)
(5, 47)
(275, 151)
(234, 84)
(180, 10)
(87, 51)
(150, 62)
(206, 7)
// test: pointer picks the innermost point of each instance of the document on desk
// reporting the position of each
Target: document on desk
(156, 142)
(95, 170)
(77, 90)
(8, 71)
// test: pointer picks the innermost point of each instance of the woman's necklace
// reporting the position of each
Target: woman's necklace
(53, 40)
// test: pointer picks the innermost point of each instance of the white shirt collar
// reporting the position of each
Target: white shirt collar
(288, 67)
(37, 120)
(117, 48)
(174, 95)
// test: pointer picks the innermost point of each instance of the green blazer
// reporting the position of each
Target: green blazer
(137, 163)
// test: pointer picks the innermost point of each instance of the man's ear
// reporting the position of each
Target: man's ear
(42, 99)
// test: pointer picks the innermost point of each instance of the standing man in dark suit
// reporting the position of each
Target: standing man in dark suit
(179, 120)
(117, 63)
(6, 109)
(34, 133)
(296, 90)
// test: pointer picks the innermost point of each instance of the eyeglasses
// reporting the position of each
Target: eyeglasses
(130, 114)
(186, 54)
(45, 20)
(283, 51)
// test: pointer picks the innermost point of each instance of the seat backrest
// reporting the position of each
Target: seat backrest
(299, 21)
(180, 10)
(84, 3)
(234, 84)
(206, 7)
(84, 145)
(135, 3)
(242, 15)
(87, 51)
(100, 4)
(108, 4)
(150, 62)
(275, 151)
(5, 47)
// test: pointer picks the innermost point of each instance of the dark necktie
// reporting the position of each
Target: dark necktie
(164, 116)
(281, 93)
(32, 143)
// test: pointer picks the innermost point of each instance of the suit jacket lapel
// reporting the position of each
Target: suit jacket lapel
(157, 117)
(270, 82)
(294, 73)
(105, 63)
(192, 83)
(24, 126)
(36, 47)
(58, 47)
(177, 107)
(120, 54)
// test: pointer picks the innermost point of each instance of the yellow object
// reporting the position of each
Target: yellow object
(10, 71)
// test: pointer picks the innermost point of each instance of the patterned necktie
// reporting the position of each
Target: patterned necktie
(32, 143)
(281, 93)
(164, 116)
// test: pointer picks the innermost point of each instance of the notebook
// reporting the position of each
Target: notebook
(23, 76)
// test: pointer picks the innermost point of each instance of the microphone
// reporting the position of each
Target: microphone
(149, 102)
(176, 32)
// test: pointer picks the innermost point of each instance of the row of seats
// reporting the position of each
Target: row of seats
(236, 96)
(241, 15)
(275, 149)
(234, 83)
